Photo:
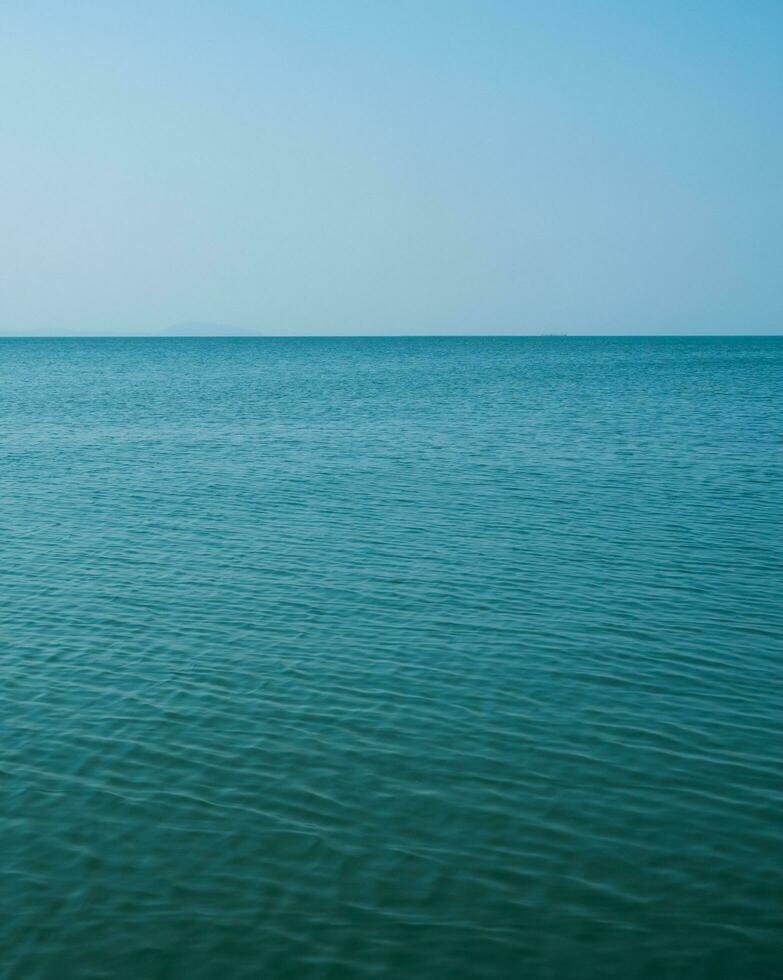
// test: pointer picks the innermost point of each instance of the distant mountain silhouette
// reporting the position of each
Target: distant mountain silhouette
(200, 329)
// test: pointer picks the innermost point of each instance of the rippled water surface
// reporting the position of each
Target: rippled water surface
(408, 659)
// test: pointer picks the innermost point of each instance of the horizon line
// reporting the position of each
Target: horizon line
(373, 336)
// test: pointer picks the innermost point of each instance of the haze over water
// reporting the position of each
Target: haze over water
(413, 658)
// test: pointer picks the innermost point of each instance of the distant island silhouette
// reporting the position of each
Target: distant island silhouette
(198, 328)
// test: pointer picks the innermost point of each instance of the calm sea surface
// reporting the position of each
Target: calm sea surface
(422, 659)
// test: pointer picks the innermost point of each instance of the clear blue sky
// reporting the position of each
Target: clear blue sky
(396, 166)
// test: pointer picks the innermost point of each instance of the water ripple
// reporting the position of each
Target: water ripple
(369, 658)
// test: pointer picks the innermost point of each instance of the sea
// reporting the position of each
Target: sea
(413, 658)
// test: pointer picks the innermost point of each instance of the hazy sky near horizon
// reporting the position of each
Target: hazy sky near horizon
(416, 166)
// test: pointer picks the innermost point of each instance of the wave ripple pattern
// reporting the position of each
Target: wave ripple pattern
(412, 658)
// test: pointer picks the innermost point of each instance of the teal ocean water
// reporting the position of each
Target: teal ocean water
(411, 658)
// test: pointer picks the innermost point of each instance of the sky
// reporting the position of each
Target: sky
(391, 167)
